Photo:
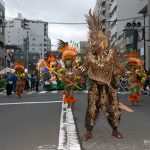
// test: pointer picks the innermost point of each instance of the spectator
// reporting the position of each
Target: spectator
(32, 82)
(9, 84)
(14, 79)
(37, 83)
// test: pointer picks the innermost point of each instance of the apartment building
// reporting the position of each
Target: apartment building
(2, 35)
(27, 37)
(143, 8)
(102, 9)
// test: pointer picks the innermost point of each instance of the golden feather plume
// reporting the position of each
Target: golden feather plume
(94, 23)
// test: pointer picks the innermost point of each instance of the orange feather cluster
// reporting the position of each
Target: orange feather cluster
(133, 59)
(68, 52)
(52, 58)
(19, 66)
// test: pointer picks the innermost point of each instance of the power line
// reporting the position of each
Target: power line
(78, 23)
(118, 20)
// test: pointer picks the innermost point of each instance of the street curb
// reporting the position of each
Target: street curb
(68, 137)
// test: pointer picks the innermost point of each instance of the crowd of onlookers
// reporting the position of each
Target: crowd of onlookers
(31, 81)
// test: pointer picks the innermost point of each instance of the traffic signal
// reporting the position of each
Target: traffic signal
(133, 24)
(128, 25)
(138, 24)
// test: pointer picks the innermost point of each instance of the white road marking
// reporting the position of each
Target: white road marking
(22, 103)
(122, 92)
(85, 91)
(53, 92)
(46, 147)
(42, 92)
(68, 139)
(31, 92)
(3, 93)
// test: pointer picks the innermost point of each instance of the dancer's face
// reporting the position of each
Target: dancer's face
(98, 43)
(69, 63)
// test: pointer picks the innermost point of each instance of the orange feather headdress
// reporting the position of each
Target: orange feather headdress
(134, 59)
(19, 66)
(52, 58)
(68, 52)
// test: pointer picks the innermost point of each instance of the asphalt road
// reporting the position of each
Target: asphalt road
(31, 122)
(134, 126)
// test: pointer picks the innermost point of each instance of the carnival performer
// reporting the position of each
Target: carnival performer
(102, 66)
(68, 58)
(136, 76)
(50, 70)
(19, 69)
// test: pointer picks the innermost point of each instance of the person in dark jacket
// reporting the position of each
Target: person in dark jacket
(9, 84)
(37, 83)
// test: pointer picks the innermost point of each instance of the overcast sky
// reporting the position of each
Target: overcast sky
(55, 11)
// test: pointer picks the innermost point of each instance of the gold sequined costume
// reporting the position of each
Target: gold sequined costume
(102, 66)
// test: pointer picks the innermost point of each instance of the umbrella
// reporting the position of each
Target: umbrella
(4, 71)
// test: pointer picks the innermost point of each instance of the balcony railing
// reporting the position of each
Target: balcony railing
(141, 6)
(113, 5)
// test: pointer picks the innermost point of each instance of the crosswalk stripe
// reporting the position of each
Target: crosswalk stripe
(122, 92)
(31, 92)
(25, 103)
(54, 92)
(42, 92)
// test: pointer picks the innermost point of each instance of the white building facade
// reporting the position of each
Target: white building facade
(2, 36)
(27, 35)
(143, 8)
(102, 9)
(120, 13)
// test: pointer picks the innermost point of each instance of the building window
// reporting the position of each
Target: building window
(1, 30)
(104, 12)
(113, 11)
(1, 14)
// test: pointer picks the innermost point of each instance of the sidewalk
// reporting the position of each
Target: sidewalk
(134, 126)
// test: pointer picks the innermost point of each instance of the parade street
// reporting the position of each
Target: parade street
(134, 126)
(33, 122)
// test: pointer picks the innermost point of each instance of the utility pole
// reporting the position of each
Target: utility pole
(148, 48)
(27, 51)
(144, 42)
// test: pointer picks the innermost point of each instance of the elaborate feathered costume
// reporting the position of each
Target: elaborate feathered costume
(136, 76)
(102, 66)
(48, 69)
(19, 69)
(68, 58)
